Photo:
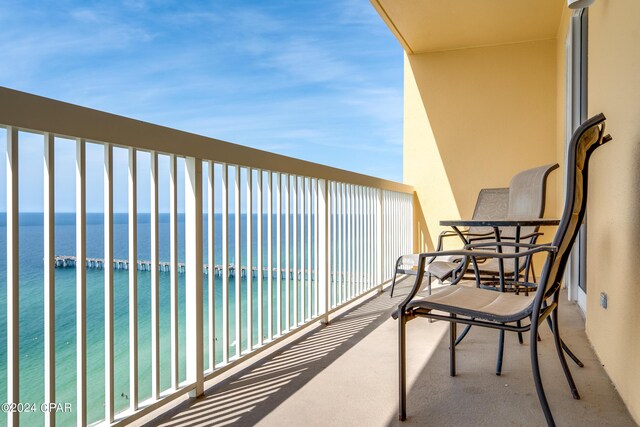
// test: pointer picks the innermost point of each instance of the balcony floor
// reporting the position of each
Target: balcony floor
(346, 374)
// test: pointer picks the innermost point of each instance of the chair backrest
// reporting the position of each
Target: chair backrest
(588, 137)
(527, 194)
(492, 203)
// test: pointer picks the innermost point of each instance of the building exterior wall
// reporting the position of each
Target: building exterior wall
(473, 118)
(614, 195)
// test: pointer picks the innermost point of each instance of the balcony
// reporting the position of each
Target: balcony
(317, 344)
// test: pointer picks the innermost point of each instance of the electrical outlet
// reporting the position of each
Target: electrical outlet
(603, 300)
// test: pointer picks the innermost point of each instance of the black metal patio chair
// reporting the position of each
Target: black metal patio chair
(506, 311)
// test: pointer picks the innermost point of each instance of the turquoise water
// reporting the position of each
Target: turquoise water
(32, 311)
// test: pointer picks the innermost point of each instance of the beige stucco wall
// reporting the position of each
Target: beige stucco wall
(473, 118)
(614, 195)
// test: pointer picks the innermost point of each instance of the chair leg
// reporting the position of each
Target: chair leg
(393, 285)
(571, 355)
(402, 372)
(500, 354)
(452, 346)
(565, 347)
(463, 334)
(520, 339)
(535, 369)
(563, 361)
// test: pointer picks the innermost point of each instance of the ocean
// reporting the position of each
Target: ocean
(32, 310)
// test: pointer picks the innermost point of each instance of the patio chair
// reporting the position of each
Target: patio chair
(525, 199)
(492, 203)
(501, 310)
(527, 194)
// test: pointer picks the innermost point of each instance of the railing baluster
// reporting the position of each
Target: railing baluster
(397, 228)
(13, 277)
(211, 277)
(397, 225)
(193, 274)
(225, 263)
(81, 282)
(334, 233)
(303, 249)
(133, 281)
(367, 243)
(173, 236)
(49, 279)
(347, 242)
(322, 285)
(294, 191)
(341, 239)
(359, 239)
(279, 253)
(386, 230)
(363, 238)
(155, 286)
(317, 247)
(287, 252)
(238, 262)
(260, 262)
(249, 260)
(356, 240)
(392, 232)
(349, 239)
(352, 240)
(401, 225)
(108, 284)
(372, 239)
(308, 285)
(367, 235)
(270, 255)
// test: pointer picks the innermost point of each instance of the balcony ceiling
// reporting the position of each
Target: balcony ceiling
(435, 25)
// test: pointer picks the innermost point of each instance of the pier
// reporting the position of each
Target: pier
(69, 261)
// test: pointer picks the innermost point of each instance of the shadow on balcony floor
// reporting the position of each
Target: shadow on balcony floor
(345, 374)
(249, 396)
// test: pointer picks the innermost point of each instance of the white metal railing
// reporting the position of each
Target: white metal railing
(317, 238)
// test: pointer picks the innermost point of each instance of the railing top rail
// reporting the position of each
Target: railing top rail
(39, 114)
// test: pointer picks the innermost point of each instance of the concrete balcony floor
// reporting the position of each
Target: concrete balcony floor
(345, 374)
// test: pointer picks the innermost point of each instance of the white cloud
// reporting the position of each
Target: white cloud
(268, 75)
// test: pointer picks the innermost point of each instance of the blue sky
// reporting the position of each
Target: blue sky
(321, 81)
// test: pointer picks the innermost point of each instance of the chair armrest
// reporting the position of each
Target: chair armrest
(531, 248)
(459, 233)
(527, 236)
(468, 252)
